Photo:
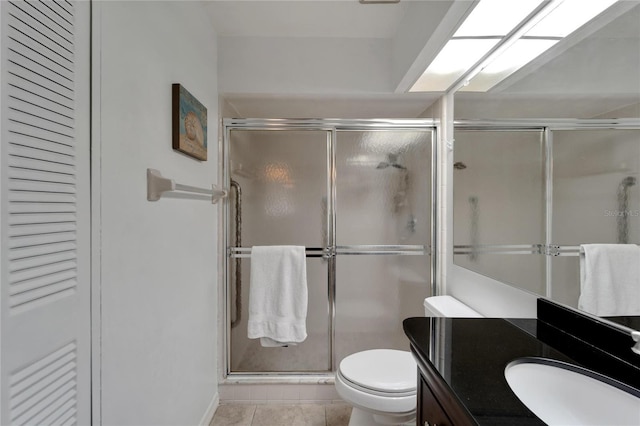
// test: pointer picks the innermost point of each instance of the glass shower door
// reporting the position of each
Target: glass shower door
(279, 197)
(357, 195)
(383, 223)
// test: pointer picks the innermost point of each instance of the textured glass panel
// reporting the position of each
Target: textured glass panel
(373, 295)
(311, 355)
(596, 196)
(498, 192)
(283, 176)
(283, 181)
(383, 187)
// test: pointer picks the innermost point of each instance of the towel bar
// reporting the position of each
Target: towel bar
(157, 185)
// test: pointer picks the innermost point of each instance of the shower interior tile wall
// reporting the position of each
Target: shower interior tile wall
(235, 393)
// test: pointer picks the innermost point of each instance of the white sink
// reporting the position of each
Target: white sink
(565, 394)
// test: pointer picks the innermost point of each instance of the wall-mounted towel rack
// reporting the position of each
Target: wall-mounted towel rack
(157, 185)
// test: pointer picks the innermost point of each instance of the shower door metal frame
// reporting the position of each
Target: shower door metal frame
(331, 126)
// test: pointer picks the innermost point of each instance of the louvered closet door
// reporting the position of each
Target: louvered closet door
(44, 196)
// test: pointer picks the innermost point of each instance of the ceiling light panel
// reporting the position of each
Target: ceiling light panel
(457, 56)
(496, 17)
(568, 17)
(504, 21)
(516, 56)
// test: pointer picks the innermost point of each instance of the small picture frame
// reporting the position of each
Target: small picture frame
(189, 123)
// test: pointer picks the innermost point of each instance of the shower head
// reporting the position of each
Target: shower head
(459, 165)
(392, 161)
(628, 181)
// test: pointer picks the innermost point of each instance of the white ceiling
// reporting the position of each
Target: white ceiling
(558, 82)
(305, 18)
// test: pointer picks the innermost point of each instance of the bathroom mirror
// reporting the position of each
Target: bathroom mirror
(548, 159)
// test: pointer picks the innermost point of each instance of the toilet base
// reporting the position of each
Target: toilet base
(361, 417)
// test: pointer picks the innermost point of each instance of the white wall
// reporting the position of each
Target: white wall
(304, 65)
(158, 259)
(489, 297)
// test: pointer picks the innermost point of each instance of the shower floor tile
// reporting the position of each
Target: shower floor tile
(282, 415)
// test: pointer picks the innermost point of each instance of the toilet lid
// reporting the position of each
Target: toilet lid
(384, 370)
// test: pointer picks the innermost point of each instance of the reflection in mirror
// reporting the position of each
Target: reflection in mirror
(592, 73)
(562, 171)
(630, 322)
(595, 200)
(500, 189)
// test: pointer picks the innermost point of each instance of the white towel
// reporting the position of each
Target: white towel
(610, 279)
(278, 295)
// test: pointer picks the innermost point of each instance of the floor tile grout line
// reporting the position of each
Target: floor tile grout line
(253, 416)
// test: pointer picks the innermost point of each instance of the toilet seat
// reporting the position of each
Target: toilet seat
(369, 391)
(367, 381)
(381, 371)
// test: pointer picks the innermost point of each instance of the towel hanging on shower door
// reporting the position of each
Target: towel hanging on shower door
(278, 295)
(610, 279)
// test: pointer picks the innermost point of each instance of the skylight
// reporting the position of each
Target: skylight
(501, 36)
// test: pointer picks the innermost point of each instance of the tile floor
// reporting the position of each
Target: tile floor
(282, 415)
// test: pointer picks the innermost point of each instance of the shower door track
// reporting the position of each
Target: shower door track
(331, 126)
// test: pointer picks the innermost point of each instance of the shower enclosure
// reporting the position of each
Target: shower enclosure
(358, 195)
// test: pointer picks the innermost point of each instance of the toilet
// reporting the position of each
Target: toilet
(380, 384)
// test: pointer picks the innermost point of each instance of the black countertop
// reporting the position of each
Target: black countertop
(470, 358)
(632, 322)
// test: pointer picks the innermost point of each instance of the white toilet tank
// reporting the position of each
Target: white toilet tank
(447, 306)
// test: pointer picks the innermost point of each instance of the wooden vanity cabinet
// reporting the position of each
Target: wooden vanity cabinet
(430, 412)
(436, 405)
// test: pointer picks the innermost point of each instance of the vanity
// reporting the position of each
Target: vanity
(462, 361)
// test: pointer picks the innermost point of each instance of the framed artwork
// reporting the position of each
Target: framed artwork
(189, 123)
